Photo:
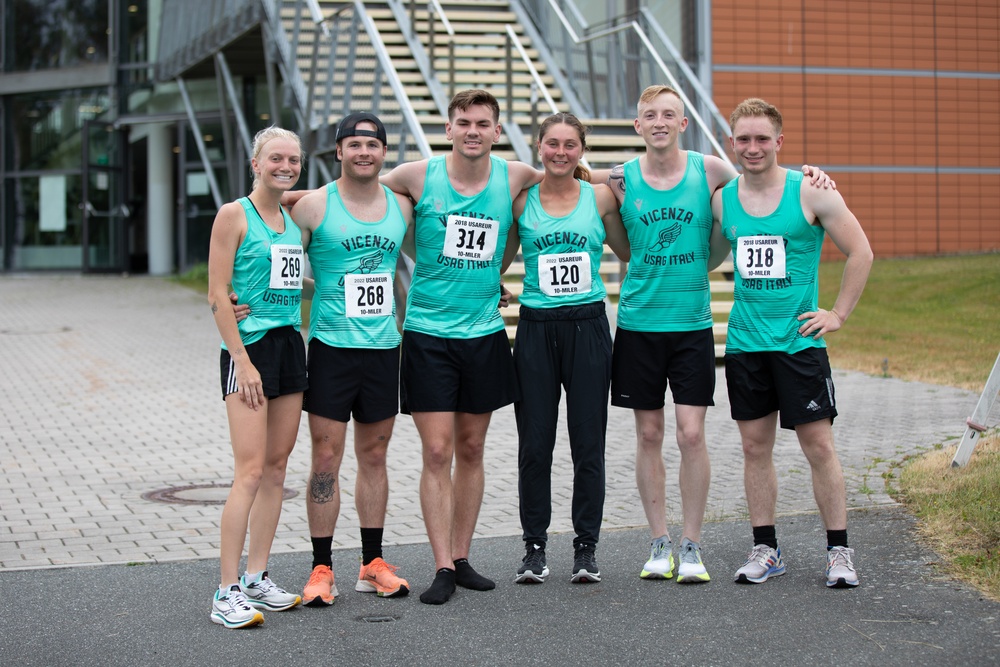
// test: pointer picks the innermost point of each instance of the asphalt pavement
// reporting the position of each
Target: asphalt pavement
(114, 453)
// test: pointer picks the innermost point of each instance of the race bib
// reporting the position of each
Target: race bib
(564, 274)
(470, 238)
(760, 256)
(286, 266)
(368, 295)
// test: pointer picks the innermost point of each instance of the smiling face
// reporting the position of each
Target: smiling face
(560, 149)
(473, 131)
(661, 120)
(278, 164)
(362, 157)
(756, 142)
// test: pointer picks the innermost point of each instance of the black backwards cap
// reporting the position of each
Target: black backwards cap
(348, 127)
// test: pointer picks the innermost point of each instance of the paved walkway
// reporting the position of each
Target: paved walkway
(110, 391)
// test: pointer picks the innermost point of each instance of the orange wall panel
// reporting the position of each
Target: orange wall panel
(914, 126)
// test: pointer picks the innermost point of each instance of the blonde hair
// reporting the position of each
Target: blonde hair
(580, 172)
(266, 135)
(753, 107)
(654, 91)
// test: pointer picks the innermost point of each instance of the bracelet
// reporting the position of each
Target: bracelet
(839, 318)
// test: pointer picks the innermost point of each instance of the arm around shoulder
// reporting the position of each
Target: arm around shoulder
(614, 229)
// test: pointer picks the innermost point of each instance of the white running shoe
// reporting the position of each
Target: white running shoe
(263, 593)
(690, 569)
(840, 572)
(233, 610)
(661, 560)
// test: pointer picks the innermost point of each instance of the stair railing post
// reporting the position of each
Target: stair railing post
(451, 67)
(534, 123)
(430, 33)
(508, 61)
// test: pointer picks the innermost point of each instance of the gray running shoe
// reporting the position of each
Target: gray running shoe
(840, 571)
(265, 594)
(763, 562)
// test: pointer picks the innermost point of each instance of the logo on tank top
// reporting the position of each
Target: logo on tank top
(367, 264)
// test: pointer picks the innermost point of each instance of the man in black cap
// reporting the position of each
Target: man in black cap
(352, 229)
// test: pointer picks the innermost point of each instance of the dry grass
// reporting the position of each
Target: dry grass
(958, 510)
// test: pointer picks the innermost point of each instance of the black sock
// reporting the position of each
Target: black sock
(441, 589)
(765, 535)
(836, 538)
(466, 577)
(322, 551)
(371, 544)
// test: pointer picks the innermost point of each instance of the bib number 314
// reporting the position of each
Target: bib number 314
(470, 238)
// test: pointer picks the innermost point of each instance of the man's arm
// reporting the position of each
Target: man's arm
(718, 245)
(409, 244)
(830, 210)
(407, 179)
(614, 230)
(514, 236)
(522, 177)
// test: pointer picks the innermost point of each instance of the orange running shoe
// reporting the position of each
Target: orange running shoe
(380, 578)
(321, 589)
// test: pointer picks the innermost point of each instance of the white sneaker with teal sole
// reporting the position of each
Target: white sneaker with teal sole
(233, 611)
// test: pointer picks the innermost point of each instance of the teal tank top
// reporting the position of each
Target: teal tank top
(354, 264)
(767, 300)
(265, 261)
(666, 287)
(460, 242)
(569, 250)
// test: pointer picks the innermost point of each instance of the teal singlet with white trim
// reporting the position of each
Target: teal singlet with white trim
(765, 310)
(460, 242)
(666, 287)
(354, 265)
(563, 245)
(270, 307)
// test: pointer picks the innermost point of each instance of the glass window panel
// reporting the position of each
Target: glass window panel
(47, 127)
(34, 248)
(44, 34)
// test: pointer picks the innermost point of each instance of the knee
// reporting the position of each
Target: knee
(691, 440)
(470, 451)
(372, 458)
(248, 478)
(756, 451)
(650, 438)
(437, 457)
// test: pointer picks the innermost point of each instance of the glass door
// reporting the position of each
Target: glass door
(104, 210)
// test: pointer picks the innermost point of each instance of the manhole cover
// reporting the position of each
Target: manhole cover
(198, 494)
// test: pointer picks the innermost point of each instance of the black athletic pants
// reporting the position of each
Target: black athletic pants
(568, 346)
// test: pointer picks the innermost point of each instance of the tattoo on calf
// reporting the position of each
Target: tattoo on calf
(321, 487)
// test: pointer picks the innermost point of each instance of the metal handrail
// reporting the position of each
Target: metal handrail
(434, 8)
(641, 34)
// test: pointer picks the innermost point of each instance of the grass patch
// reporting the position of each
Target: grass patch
(958, 510)
(930, 320)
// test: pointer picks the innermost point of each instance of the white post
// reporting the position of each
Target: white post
(160, 201)
(976, 424)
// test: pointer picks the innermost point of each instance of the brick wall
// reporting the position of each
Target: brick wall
(899, 101)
